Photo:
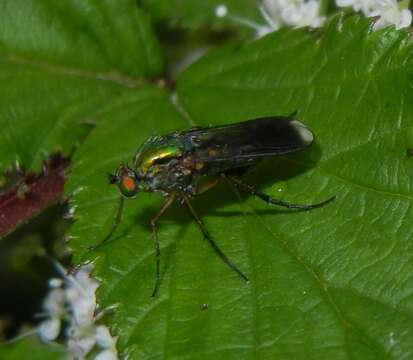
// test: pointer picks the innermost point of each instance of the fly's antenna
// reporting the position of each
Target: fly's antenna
(113, 179)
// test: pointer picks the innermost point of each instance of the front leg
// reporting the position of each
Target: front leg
(116, 222)
(167, 203)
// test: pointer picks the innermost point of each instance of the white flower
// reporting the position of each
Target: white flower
(80, 342)
(54, 310)
(278, 13)
(74, 300)
(49, 330)
(221, 11)
(295, 13)
(82, 306)
(54, 303)
(345, 3)
(106, 355)
(81, 296)
(392, 15)
(108, 343)
(390, 12)
(103, 337)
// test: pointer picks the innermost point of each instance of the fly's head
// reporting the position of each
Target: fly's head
(127, 180)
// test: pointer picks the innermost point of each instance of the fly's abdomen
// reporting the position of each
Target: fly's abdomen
(242, 144)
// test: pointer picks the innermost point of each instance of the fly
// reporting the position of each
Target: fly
(184, 164)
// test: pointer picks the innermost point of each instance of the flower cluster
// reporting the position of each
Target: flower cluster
(299, 13)
(279, 13)
(72, 301)
(294, 13)
(388, 11)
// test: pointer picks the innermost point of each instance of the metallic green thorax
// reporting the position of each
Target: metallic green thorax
(149, 159)
(162, 164)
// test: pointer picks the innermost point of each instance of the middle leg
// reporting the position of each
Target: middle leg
(168, 202)
(209, 238)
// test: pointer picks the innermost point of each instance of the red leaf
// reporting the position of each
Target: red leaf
(32, 194)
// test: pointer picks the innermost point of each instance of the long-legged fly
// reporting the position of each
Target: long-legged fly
(184, 164)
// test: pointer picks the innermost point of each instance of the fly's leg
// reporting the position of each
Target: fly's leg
(115, 224)
(208, 237)
(168, 202)
(204, 187)
(270, 200)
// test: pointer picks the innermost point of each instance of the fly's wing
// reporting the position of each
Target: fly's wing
(242, 144)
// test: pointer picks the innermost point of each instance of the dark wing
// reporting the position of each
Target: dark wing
(242, 144)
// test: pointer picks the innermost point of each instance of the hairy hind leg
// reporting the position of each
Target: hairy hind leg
(270, 200)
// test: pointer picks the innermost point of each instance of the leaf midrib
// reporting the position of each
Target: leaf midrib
(113, 77)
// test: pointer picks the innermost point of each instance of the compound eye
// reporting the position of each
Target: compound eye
(128, 186)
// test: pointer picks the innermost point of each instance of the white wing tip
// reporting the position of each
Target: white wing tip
(305, 133)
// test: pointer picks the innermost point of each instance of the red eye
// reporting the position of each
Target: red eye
(128, 183)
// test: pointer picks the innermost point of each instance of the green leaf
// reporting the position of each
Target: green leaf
(59, 63)
(101, 36)
(22, 349)
(201, 14)
(332, 283)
